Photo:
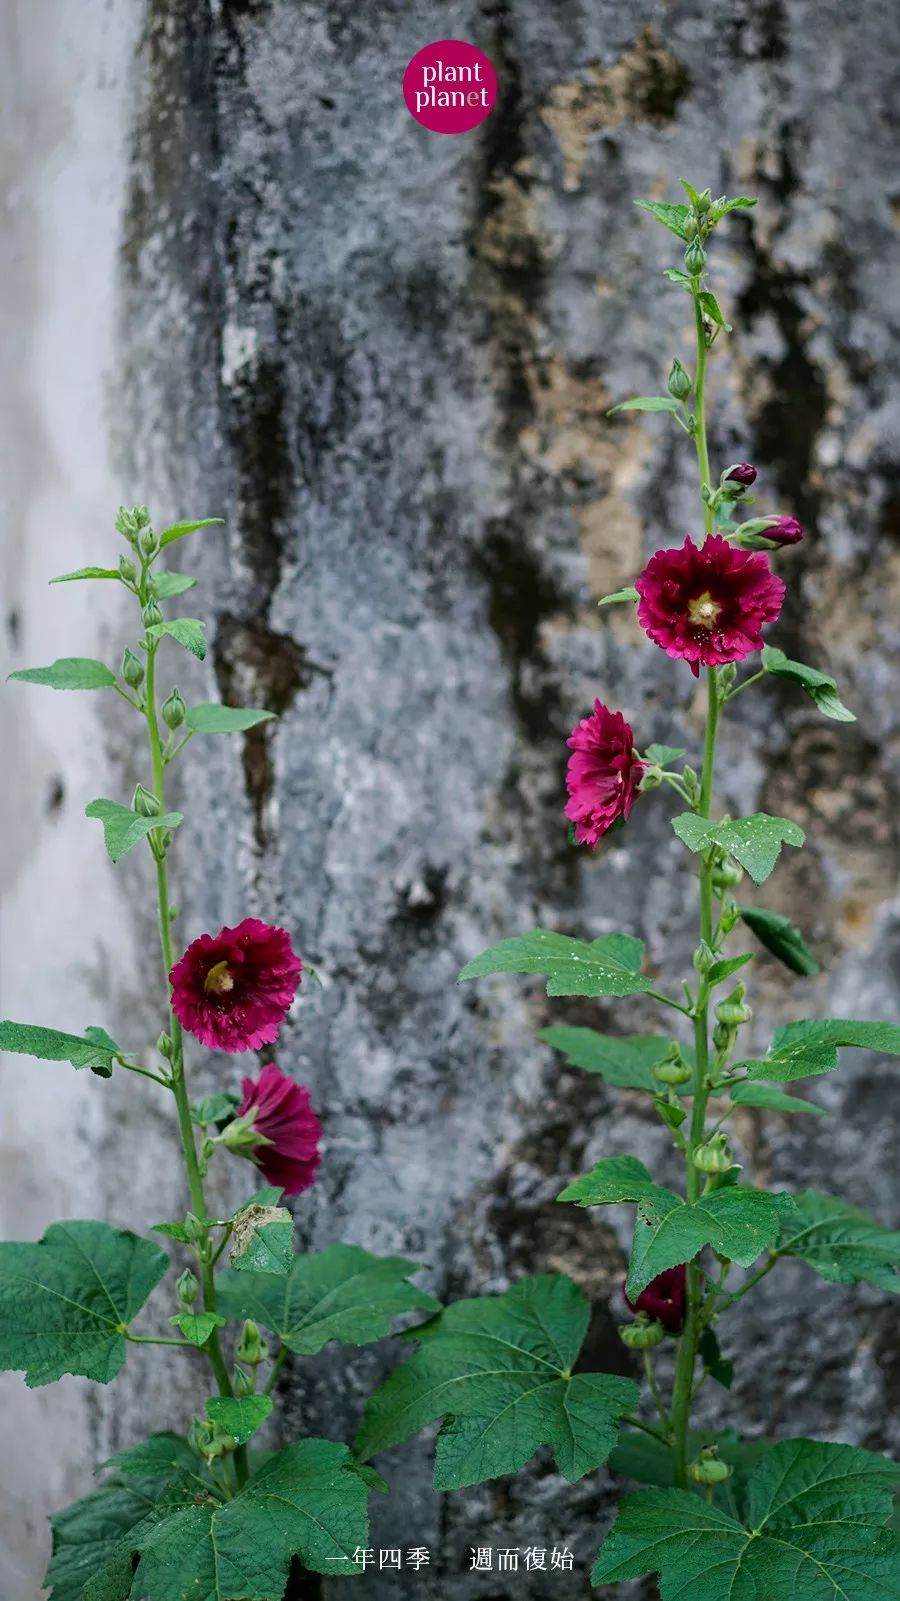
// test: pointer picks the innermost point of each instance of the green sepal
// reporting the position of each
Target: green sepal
(186, 632)
(754, 841)
(606, 966)
(499, 1371)
(197, 1326)
(95, 1049)
(240, 1416)
(66, 1301)
(628, 594)
(217, 719)
(341, 1294)
(69, 672)
(782, 938)
(124, 828)
(214, 1109)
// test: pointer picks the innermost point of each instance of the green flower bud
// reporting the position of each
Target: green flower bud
(723, 1038)
(130, 523)
(194, 1229)
(707, 1467)
(695, 258)
(679, 381)
(253, 1348)
(726, 873)
(187, 1288)
(691, 227)
(734, 1011)
(704, 957)
(164, 1046)
(174, 710)
(242, 1382)
(148, 544)
(132, 669)
(673, 1069)
(716, 1156)
(704, 201)
(151, 614)
(127, 570)
(145, 803)
(729, 916)
(643, 1334)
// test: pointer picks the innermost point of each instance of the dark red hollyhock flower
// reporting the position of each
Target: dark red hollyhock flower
(282, 1113)
(708, 605)
(784, 531)
(742, 474)
(664, 1298)
(603, 773)
(233, 990)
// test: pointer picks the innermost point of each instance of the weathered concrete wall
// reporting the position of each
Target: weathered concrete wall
(384, 357)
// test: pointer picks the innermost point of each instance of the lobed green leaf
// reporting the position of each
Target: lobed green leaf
(197, 1326)
(240, 1415)
(764, 1097)
(754, 841)
(606, 966)
(168, 585)
(671, 216)
(186, 631)
(809, 1047)
(124, 828)
(842, 1243)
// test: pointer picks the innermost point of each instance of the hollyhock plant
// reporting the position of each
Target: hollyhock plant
(280, 1110)
(664, 1298)
(68, 1301)
(603, 773)
(233, 990)
(707, 605)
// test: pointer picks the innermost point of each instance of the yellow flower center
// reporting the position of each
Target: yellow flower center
(704, 610)
(218, 980)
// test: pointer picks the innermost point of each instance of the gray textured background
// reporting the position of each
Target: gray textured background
(239, 279)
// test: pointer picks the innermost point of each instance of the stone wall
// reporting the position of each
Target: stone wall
(385, 357)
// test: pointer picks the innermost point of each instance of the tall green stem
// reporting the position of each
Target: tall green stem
(687, 1344)
(179, 1083)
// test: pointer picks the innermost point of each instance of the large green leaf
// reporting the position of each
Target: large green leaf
(499, 1371)
(754, 841)
(821, 689)
(810, 1046)
(768, 1099)
(840, 1242)
(607, 966)
(307, 1502)
(65, 1301)
(626, 1060)
(92, 1552)
(343, 1293)
(650, 1461)
(241, 1415)
(124, 828)
(782, 937)
(69, 672)
(737, 1222)
(93, 1049)
(815, 1531)
(186, 631)
(216, 719)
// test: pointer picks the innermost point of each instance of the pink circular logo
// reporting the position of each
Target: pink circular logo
(450, 86)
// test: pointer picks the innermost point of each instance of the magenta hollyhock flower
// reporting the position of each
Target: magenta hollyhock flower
(709, 604)
(233, 990)
(664, 1298)
(281, 1112)
(603, 773)
(742, 473)
(784, 531)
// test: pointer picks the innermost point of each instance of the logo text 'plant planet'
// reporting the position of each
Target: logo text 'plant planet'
(449, 86)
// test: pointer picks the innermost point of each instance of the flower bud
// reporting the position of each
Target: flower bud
(673, 1068)
(695, 258)
(734, 1011)
(707, 1468)
(650, 778)
(704, 957)
(704, 201)
(127, 570)
(164, 1046)
(187, 1288)
(173, 710)
(723, 1038)
(132, 669)
(148, 544)
(643, 1334)
(691, 227)
(783, 531)
(679, 381)
(727, 873)
(151, 614)
(741, 475)
(131, 522)
(194, 1229)
(252, 1348)
(145, 803)
(729, 916)
(242, 1383)
(716, 1156)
